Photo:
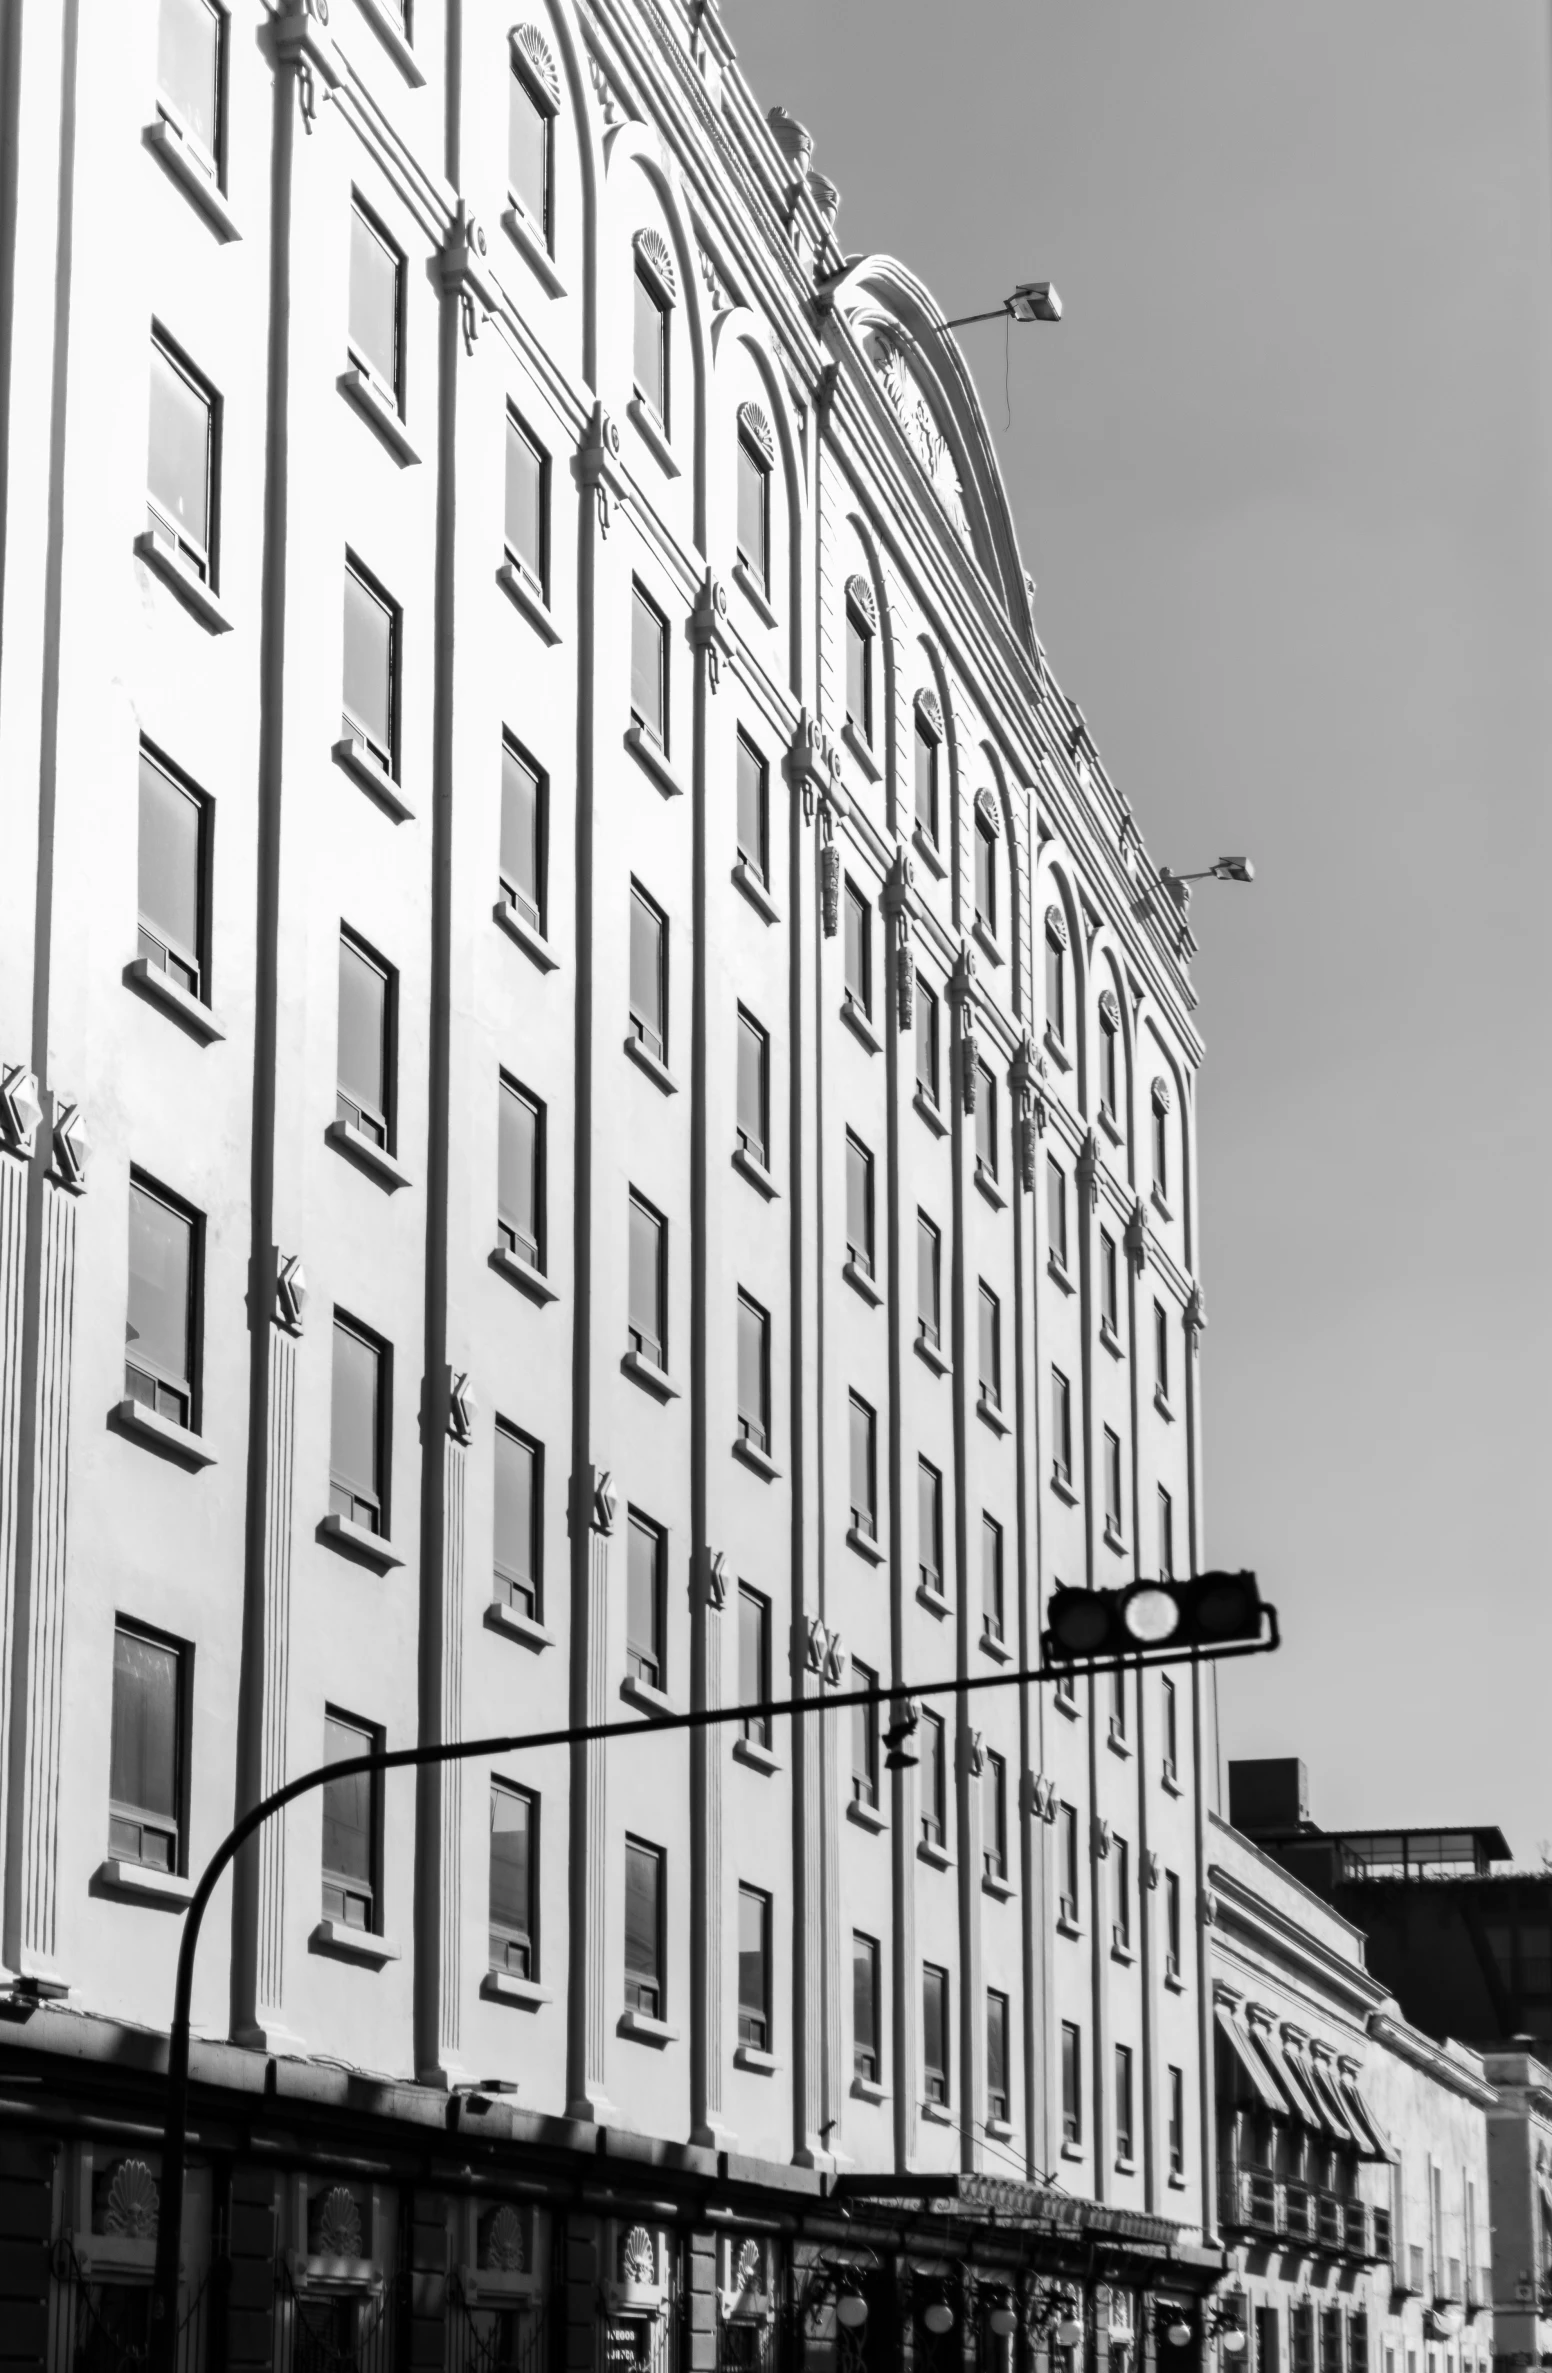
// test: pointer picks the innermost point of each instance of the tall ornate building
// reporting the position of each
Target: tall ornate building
(596, 1112)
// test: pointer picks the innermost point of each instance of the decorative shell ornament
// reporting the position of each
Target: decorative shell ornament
(334, 2225)
(747, 2269)
(133, 2201)
(505, 2241)
(638, 2257)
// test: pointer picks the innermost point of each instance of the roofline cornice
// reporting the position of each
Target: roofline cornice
(1244, 1913)
(1421, 2052)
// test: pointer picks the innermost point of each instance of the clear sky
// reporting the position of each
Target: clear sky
(1284, 477)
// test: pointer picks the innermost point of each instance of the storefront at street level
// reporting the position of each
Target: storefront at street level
(336, 2223)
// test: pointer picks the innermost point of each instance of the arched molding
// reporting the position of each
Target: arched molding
(1160, 1094)
(638, 145)
(580, 116)
(655, 252)
(986, 806)
(930, 710)
(534, 56)
(754, 421)
(741, 328)
(862, 598)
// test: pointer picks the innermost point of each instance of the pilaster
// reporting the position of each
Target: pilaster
(20, 1113)
(593, 1510)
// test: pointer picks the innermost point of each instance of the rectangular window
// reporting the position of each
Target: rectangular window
(1123, 2101)
(161, 1322)
(859, 950)
(173, 873)
(644, 1989)
(865, 2051)
(519, 1514)
(859, 1205)
(1109, 1284)
(1067, 1844)
(929, 1281)
(998, 2057)
(926, 779)
(859, 672)
(864, 1740)
(650, 348)
(648, 974)
(1107, 1066)
(376, 303)
(754, 1088)
(1061, 1426)
(514, 1858)
(754, 1968)
(520, 1175)
(991, 1348)
(1166, 1536)
(1121, 1854)
(754, 1373)
(190, 42)
(524, 806)
(986, 877)
(754, 777)
(1177, 2121)
(991, 1578)
(1112, 1481)
(358, 1427)
(180, 463)
(754, 1662)
(1171, 1923)
(1331, 2352)
(1118, 1706)
(985, 1122)
(994, 1813)
(1171, 1731)
(1072, 2082)
(864, 1467)
(932, 1780)
(1055, 988)
(935, 2037)
(530, 150)
(1160, 1352)
(370, 696)
(649, 667)
(352, 1826)
(146, 1750)
(644, 1563)
(1160, 1147)
(1056, 1210)
(528, 506)
(926, 1042)
(754, 510)
(363, 1097)
(929, 1526)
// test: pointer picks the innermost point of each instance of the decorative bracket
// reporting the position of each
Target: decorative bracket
(461, 271)
(813, 766)
(1101, 1832)
(21, 1108)
(1088, 1169)
(709, 630)
(973, 1748)
(71, 1144)
(303, 41)
(1137, 1237)
(714, 1578)
(1150, 1868)
(598, 464)
(897, 897)
(593, 1500)
(817, 1644)
(461, 1405)
(835, 1660)
(289, 1298)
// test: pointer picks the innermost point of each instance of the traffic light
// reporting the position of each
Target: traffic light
(1161, 1620)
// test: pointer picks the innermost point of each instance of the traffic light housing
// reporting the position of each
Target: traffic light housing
(1161, 1621)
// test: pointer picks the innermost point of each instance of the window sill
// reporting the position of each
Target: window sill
(931, 1357)
(166, 142)
(342, 1943)
(375, 1160)
(1177, 2183)
(353, 1540)
(533, 943)
(864, 2089)
(754, 593)
(533, 605)
(359, 388)
(1062, 1486)
(1110, 1339)
(996, 1647)
(867, 1816)
(513, 1625)
(1066, 1927)
(929, 853)
(1170, 1785)
(653, 435)
(1000, 1890)
(998, 2130)
(930, 1113)
(938, 1857)
(643, 2029)
(858, 1024)
(1057, 1272)
(747, 880)
(1114, 1538)
(649, 755)
(531, 247)
(990, 1414)
(749, 2057)
(393, 42)
(1124, 1955)
(1073, 2151)
(861, 1282)
(758, 1461)
(1117, 1742)
(644, 1696)
(861, 751)
(159, 988)
(527, 1280)
(1055, 1049)
(1125, 2166)
(351, 754)
(656, 1381)
(192, 591)
(136, 1882)
(759, 1759)
(989, 1187)
(178, 1442)
(986, 943)
(1111, 1126)
(1159, 1204)
(937, 2113)
(1068, 1706)
(644, 1060)
(756, 1173)
(865, 1545)
(935, 1601)
(1161, 1403)
(499, 1985)
(1173, 1984)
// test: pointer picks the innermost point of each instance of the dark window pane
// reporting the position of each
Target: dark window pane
(143, 1754)
(858, 950)
(926, 780)
(928, 1268)
(753, 510)
(648, 933)
(363, 1039)
(522, 846)
(859, 675)
(651, 347)
(1112, 1479)
(375, 266)
(646, 1282)
(1123, 2100)
(355, 1426)
(368, 691)
(864, 2007)
(511, 1880)
(528, 151)
(862, 1466)
(643, 1928)
(926, 1041)
(859, 1205)
(348, 1818)
(752, 781)
(864, 1739)
(170, 833)
(519, 1182)
(1107, 1066)
(178, 465)
(753, 1373)
(1072, 2082)
(1061, 1423)
(991, 1576)
(997, 2055)
(649, 704)
(525, 502)
(158, 1326)
(754, 1922)
(1109, 1298)
(991, 1345)
(1055, 989)
(752, 1086)
(754, 1658)
(985, 878)
(644, 1602)
(1056, 1211)
(935, 2032)
(517, 1520)
(929, 1520)
(188, 67)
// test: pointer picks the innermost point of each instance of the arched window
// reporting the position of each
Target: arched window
(861, 633)
(1055, 974)
(656, 289)
(533, 102)
(986, 864)
(756, 458)
(1161, 1104)
(1109, 1055)
(929, 742)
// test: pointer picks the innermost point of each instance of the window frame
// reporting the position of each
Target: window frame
(1056, 1211)
(994, 1841)
(1109, 1065)
(1175, 2127)
(642, 604)
(530, 1251)
(1072, 2083)
(1122, 1935)
(929, 1248)
(1061, 1425)
(538, 579)
(754, 1608)
(1166, 1518)
(999, 2032)
(1114, 1484)
(928, 1031)
(1171, 1923)
(864, 1734)
(1160, 1351)
(1109, 1284)
(750, 457)
(864, 1520)
(756, 860)
(1055, 987)
(532, 910)
(993, 1578)
(201, 557)
(753, 1034)
(653, 1040)
(391, 391)
(860, 637)
(371, 1736)
(1160, 1136)
(654, 1351)
(870, 2050)
(1171, 1728)
(385, 757)
(349, 1109)
(985, 888)
(931, 742)
(647, 1661)
(164, 953)
(930, 1476)
(527, 1937)
(754, 1426)
(1125, 2103)
(187, 1388)
(858, 992)
(524, 1596)
(647, 283)
(658, 1981)
(545, 110)
(1069, 1892)
(986, 1149)
(344, 1322)
(932, 1791)
(174, 1826)
(989, 1310)
(937, 2076)
(754, 2019)
(212, 160)
(859, 1174)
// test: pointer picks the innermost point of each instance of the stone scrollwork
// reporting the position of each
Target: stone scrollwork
(638, 2257)
(1137, 1236)
(1056, 926)
(534, 54)
(290, 1299)
(830, 882)
(21, 1108)
(598, 465)
(461, 269)
(132, 2205)
(461, 1406)
(71, 1144)
(303, 42)
(860, 596)
(714, 1578)
(885, 350)
(709, 629)
(334, 2224)
(755, 422)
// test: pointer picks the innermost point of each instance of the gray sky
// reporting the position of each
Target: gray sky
(1282, 475)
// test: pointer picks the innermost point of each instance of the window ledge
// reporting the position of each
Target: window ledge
(359, 388)
(656, 1381)
(353, 1540)
(990, 1414)
(166, 141)
(530, 1281)
(1068, 1706)
(533, 943)
(1117, 1742)
(1110, 1339)
(533, 605)
(135, 1882)
(393, 42)
(989, 1187)
(514, 1625)
(1114, 1538)
(929, 853)
(651, 756)
(1162, 1404)
(1057, 1272)
(1000, 1890)
(749, 2056)
(994, 1646)
(998, 2130)
(861, 1281)
(931, 1356)
(1066, 1927)
(754, 592)
(1173, 1984)
(930, 1113)
(864, 2089)
(643, 2029)
(192, 591)
(759, 1759)
(1073, 2150)
(865, 1545)
(857, 1022)
(375, 1160)
(935, 1601)
(1159, 1204)
(159, 988)
(343, 1943)
(755, 1171)
(987, 944)
(938, 1856)
(747, 880)
(351, 753)
(1055, 1049)
(499, 1985)
(645, 1696)
(644, 1060)
(758, 1461)
(1123, 1954)
(1062, 1486)
(1111, 1126)
(653, 435)
(530, 245)
(1125, 2166)
(1170, 1785)
(937, 2113)
(862, 751)
(1177, 2183)
(164, 1434)
(867, 1816)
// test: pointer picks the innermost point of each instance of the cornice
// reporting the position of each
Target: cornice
(1434, 2059)
(1242, 1912)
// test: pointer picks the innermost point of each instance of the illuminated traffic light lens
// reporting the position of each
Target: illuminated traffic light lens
(1080, 1622)
(1150, 1615)
(1227, 1608)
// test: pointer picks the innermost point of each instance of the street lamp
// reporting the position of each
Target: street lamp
(1177, 886)
(1032, 300)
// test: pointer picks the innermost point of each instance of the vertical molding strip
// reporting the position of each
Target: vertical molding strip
(45, 1615)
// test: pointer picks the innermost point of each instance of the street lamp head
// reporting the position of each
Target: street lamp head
(1234, 869)
(1035, 300)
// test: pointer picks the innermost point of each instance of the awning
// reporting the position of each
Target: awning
(1329, 2093)
(1297, 2083)
(1372, 2144)
(1249, 2059)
